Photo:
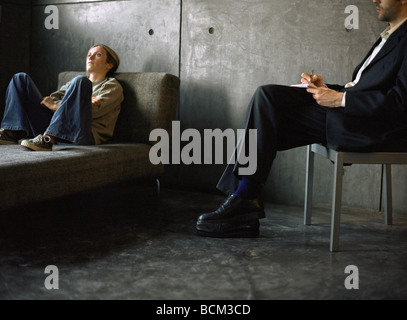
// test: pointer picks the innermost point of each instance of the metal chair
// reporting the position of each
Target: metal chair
(386, 159)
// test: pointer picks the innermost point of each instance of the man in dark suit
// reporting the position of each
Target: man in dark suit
(367, 114)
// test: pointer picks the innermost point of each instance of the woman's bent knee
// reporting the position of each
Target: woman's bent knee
(21, 76)
(81, 81)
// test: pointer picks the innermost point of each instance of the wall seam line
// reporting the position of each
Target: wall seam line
(180, 41)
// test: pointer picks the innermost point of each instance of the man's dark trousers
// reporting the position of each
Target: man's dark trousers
(285, 118)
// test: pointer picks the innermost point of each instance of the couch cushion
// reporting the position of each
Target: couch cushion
(28, 176)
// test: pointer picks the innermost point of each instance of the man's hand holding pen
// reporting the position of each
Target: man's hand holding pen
(322, 94)
(316, 80)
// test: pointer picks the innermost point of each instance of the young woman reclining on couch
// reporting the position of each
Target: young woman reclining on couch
(82, 112)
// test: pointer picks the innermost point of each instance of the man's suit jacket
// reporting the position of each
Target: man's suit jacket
(375, 116)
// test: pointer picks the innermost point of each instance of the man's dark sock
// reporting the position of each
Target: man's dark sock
(249, 189)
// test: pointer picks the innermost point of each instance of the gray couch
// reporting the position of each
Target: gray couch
(151, 101)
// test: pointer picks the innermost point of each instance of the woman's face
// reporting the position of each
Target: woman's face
(97, 61)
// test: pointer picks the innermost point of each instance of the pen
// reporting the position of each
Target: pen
(312, 74)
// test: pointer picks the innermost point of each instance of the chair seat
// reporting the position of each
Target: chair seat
(361, 158)
(340, 159)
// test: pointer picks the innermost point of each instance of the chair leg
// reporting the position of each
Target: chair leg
(336, 203)
(388, 216)
(309, 184)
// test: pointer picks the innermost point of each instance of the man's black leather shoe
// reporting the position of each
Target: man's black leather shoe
(249, 229)
(235, 209)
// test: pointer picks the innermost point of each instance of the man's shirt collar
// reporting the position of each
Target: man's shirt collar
(389, 31)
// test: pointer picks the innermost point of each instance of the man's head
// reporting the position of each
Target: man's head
(391, 11)
(102, 60)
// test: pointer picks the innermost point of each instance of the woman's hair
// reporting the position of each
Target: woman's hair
(112, 58)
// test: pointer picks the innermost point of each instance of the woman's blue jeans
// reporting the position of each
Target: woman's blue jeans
(71, 123)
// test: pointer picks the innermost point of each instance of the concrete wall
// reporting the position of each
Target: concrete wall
(222, 51)
(15, 23)
(123, 25)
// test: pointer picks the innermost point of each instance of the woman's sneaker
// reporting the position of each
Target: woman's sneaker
(39, 143)
(5, 139)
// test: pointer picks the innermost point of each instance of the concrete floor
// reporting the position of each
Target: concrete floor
(121, 243)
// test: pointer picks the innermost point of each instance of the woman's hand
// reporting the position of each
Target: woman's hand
(96, 102)
(49, 103)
